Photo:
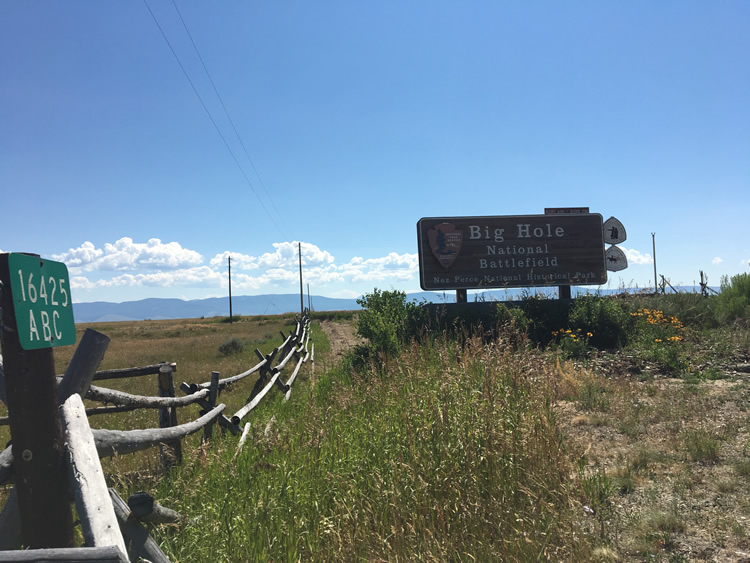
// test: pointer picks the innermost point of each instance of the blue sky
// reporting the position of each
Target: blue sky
(359, 119)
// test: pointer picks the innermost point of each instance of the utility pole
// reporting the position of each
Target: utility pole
(656, 283)
(229, 260)
(301, 291)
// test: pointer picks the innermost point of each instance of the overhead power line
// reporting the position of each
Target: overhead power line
(210, 117)
(226, 112)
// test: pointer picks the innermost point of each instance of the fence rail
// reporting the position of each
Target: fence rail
(111, 529)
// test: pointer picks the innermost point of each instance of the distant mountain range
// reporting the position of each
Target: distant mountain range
(156, 309)
(276, 304)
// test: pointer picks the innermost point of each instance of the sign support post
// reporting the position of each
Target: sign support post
(37, 440)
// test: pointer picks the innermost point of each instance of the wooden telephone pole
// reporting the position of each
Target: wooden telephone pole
(656, 280)
(229, 259)
(301, 291)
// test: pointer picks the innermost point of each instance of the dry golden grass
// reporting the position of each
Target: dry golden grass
(194, 345)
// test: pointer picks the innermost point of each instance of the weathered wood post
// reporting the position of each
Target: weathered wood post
(213, 395)
(265, 371)
(138, 542)
(31, 391)
(143, 507)
(171, 453)
(82, 367)
(98, 520)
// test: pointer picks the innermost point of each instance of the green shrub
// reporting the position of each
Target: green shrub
(604, 321)
(231, 347)
(693, 309)
(574, 344)
(545, 315)
(513, 321)
(733, 301)
(513, 317)
(388, 320)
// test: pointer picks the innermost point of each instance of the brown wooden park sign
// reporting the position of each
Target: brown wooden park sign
(511, 251)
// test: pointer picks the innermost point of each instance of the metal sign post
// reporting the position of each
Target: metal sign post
(36, 292)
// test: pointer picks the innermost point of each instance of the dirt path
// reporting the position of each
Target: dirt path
(342, 336)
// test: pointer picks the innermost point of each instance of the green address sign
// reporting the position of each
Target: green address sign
(41, 296)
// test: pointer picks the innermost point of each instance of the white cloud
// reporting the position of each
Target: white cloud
(716, 261)
(239, 261)
(285, 255)
(636, 257)
(202, 276)
(126, 255)
(81, 256)
(154, 264)
(394, 266)
(318, 267)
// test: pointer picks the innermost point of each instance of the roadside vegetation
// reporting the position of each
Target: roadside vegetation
(606, 429)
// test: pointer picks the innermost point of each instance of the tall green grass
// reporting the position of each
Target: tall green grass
(448, 452)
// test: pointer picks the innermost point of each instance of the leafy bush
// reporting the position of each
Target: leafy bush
(733, 301)
(604, 321)
(544, 315)
(573, 343)
(693, 309)
(513, 322)
(231, 347)
(388, 320)
(512, 317)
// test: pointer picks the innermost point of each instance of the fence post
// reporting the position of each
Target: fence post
(39, 462)
(136, 536)
(170, 453)
(265, 371)
(98, 520)
(213, 394)
(83, 365)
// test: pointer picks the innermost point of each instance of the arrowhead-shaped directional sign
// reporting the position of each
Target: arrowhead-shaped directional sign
(614, 232)
(615, 259)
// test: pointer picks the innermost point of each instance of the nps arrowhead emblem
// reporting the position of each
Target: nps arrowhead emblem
(445, 243)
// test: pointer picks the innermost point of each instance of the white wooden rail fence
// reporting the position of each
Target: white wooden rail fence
(111, 528)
